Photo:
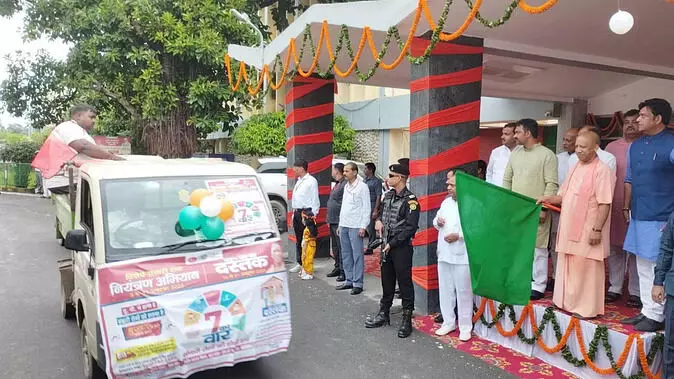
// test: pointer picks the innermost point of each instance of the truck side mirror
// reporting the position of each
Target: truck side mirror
(76, 240)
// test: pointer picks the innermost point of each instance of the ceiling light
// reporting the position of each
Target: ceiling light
(621, 22)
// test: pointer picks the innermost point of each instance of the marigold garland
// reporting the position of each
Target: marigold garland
(422, 7)
(588, 355)
(537, 9)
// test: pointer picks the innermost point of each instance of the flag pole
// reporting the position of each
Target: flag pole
(551, 207)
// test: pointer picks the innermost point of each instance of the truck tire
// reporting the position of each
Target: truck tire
(67, 308)
(91, 369)
(280, 214)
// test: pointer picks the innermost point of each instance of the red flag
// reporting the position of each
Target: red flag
(53, 154)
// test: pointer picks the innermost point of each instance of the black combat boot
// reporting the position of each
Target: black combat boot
(406, 324)
(382, 318)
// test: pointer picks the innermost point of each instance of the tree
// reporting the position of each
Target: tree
(287, 8)
(266, 135)
(154, 67)
(36, 89)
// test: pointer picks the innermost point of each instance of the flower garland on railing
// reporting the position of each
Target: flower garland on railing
(255, 84)
(588, 355)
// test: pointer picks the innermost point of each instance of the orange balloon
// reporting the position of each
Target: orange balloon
(227, 210)
(197, 195)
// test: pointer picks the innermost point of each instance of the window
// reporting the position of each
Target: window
(141, 215)
(273, 171)
(86, 208)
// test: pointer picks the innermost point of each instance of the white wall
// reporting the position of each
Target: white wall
(629, 96)
(391, 112)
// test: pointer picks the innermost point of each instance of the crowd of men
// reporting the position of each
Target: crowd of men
(615, 203)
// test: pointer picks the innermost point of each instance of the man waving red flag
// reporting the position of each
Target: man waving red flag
(70, 140)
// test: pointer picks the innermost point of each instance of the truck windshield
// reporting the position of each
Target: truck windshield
(140, 215)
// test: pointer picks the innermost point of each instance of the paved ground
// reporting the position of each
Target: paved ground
(328, 341)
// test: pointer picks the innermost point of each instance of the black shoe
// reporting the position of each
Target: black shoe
(368, 252)
(344, 287)
(341, 278)
(634, 320)
(405, 328)
(356, 290)
(648, 325)
(439, 318)
(535, 295)
(611, 297)
(634, 302)
(382, 318)
(335, 272)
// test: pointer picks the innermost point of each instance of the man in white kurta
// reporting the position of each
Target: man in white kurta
(499, 157)
(569, 147)
(604, 156)
(453, 270)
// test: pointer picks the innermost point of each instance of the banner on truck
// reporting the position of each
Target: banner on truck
(171, 316)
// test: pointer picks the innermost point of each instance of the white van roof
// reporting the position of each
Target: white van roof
(139, 166)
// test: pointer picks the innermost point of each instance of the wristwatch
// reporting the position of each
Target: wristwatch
(596, 230)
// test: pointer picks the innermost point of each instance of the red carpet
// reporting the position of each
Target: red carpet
(504, 358)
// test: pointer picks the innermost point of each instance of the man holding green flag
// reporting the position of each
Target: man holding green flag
(499, 228)
(532, 172)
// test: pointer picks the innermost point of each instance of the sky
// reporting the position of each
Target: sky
(12, 40)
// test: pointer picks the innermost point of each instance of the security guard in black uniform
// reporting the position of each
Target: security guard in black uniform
(397, 223)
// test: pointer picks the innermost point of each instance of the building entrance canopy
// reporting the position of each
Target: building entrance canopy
(530, 55)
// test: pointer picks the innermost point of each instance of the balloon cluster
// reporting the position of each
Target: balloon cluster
(206, 213)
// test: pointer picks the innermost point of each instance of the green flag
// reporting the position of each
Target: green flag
(499, 227)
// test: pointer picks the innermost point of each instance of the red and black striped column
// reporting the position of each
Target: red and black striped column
(309, 122)
(444, 128)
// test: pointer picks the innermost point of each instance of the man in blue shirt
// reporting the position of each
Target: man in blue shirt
(649, 200)
(663, 285)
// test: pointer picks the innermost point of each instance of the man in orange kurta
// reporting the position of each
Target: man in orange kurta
(583, 235)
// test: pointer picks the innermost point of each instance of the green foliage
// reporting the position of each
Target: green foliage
(261, 135)
(152, 68)
(290, 8)
(265, 135)
(345, 136)
(36, 88)
(19, 152)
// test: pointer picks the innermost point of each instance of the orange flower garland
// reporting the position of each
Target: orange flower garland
(537, 9)
(574, 325)
(365, 38)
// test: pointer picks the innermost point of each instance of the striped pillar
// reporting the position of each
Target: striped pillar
(309, 120)
(444, 127)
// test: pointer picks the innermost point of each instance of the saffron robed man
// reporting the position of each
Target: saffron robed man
(583, 235)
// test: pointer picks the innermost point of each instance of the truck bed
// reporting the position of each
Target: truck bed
(64, 215)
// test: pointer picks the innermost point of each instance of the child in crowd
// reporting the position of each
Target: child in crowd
(453, 270)
(308, 245)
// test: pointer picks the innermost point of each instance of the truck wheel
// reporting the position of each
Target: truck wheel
(91, 369)
(67, 308)
(280, 212)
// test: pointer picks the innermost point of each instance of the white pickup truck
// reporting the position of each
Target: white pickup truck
(272, 174)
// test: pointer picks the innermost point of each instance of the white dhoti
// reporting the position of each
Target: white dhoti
(651, 309)
(620, 262)
(455, 289)
(540, 273)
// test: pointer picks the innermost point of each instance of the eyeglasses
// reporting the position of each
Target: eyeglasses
(394, 176)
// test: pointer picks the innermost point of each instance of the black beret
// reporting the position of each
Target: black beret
(399, 169)
(404, 161)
